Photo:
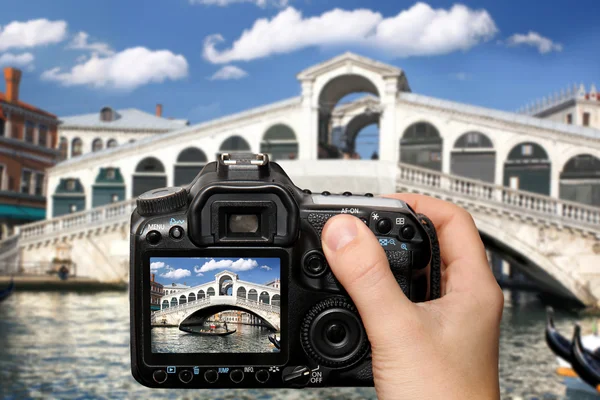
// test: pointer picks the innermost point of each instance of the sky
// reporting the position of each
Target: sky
(196, 271)
(207, 58)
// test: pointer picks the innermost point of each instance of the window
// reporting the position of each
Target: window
(111, 143)
(97, 145)
(526, 150)
(43, 136)
(63, 148)
(473, 138)
(569, 118)
(71, 185)
(76, 147)
(16, 131)
(586, 119)
(2, 126)
(25, 181)
(1, 177)
(39, 184)
(110, 173)
(421, 128)
(29, 131)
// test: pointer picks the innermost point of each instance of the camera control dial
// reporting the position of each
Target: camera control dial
(161, 201)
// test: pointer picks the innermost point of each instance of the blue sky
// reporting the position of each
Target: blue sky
(195, 271)
(157, 50)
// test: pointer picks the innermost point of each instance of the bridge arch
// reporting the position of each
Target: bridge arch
(421, 145)
(174, 301)
(190, 162)
(201, 294)
(191, 297)
(253, 295)
(527, 167)
(357, 128)
(225, 285)
(276, 300)
(165, 304)
(580, 179)
(264, 297)
(234, 144)
(474, 156)
(149, 174)
(241, 292)
(280, 142)
(210, 291)
(182, 299)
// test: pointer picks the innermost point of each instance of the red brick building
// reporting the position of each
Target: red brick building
(28, 141)
(156, 292)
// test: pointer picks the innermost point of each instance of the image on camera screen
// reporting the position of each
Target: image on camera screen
(215, 305)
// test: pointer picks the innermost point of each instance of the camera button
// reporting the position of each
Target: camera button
(236, 376)
(211, 376)
(408, 232)
(314, 263)
(159, 376)
(262, 375)
(153, 237)
(186, 376)
(176, 232)
(384, 225)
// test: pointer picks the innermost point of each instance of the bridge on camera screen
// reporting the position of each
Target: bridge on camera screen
(194, 305)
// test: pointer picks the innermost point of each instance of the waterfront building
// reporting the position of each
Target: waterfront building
(274, 283)
(174, 288)
(156, 292)
(27, 148)
(109, 128)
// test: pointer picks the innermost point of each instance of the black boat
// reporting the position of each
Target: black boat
(206, 332)
(585, 362)
(273, 339)
(560, 345)
(7, 291)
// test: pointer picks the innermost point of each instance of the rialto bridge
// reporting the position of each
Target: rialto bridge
(226, 292)
(532, 184)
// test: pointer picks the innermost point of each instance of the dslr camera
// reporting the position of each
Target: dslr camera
(230, 287)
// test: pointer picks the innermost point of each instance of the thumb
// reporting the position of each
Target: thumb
(360, 264)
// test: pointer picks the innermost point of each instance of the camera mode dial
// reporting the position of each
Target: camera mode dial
(332, 333)
(161, 201)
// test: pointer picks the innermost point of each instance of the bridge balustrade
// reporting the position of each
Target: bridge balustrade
(552, 208)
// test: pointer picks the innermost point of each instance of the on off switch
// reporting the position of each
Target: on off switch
(384, 225)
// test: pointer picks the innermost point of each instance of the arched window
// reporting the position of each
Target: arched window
(63, 147)
(68, 197)
(182, 299)
(279, 141)
(241, 292)
(109, 187)
(580, 180)
(165, 304)
(192, 296)
(253, 295)
(276, 300)
(528, 168)
(201, 294)
(264, 298)
(189, 163)
(112, 143)
(421, 145)
(474, 157)
(174, 302)
(210, 292)
(234, 144)
(97, 145)
(76, 147)
(149, 174)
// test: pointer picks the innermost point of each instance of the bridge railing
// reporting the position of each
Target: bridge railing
(83, 219)
(207, 300)
(257, 304)
(550, 207)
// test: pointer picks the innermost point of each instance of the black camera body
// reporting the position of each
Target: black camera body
(259, 306)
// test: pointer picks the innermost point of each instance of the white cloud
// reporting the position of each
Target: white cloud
(17, 60)
(156, 266)
(80, 42)
(197, 271)
(229, 72)
(176, 274)
(534, 39)
(259, 3)
(265, 267)
(417, 31)
(238, 265)
(127, 69)
(32, 33)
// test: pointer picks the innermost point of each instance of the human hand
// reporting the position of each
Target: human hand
(441, 349)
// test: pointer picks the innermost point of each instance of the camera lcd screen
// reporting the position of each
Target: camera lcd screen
(215, 305)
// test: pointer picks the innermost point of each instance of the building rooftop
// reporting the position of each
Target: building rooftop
(129, 118)
(26, 106)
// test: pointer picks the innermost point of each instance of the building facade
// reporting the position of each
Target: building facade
(533, 153)
(28, 137)
(156, 293)
(174, 288)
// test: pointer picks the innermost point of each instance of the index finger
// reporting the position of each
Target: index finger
(461, 248)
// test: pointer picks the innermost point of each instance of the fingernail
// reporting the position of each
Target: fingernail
(341, 232)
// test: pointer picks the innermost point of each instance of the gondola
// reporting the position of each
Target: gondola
(273, 339)
(585, 362)
(560, 345)
(207, 333)
(7, 291)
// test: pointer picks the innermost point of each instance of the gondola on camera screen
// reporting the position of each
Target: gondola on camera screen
(215, 305)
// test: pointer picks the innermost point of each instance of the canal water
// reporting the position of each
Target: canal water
(245, 339)
(76, 346)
